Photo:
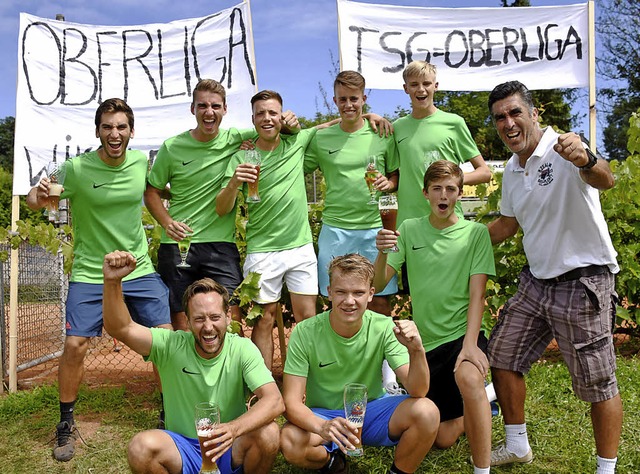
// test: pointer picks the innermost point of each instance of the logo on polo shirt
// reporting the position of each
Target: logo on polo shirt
(545, 174)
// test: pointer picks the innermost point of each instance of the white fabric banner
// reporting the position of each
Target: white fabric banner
(65, 70)
(474, 49)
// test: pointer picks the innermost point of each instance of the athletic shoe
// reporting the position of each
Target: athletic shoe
(392, 388)
(501, 456)
(66, 436)
(337, 464)
(495, 408)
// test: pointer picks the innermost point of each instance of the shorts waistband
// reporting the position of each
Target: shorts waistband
(577, 273)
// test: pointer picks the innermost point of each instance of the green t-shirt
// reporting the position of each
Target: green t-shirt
(330, 361)
(106, 206)
(416, 140)
(195, 171)
(280, 221)
(342, 158)
(439, 265)
(188, 379)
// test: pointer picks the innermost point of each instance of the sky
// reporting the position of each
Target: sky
(294, 41)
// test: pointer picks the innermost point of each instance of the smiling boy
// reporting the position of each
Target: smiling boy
(448, 260)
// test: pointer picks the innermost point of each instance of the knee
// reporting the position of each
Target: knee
(268, 439)
(470, 381)
(427, 415)
(75, 347)
(268, 317)
(290, 445)
(140, 452)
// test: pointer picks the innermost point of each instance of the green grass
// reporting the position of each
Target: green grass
(559, 429)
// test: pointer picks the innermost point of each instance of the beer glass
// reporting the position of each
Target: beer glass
(207, 419)
(370, 176)
(56, 178)
(388, 206)
(355, 406)
(183, 246)
(253, 157)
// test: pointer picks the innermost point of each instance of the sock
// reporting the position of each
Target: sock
(66, 411)
(491, 392)
(605, 466)
(481, 470)
(395, 470)
(388, 375)
(517, 439)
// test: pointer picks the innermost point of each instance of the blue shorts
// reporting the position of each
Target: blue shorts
(334, 241)
(375, 431)
(146, 297)
(192, 459)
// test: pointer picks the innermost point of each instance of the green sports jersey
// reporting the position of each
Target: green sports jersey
(195, 171)
(106, 206)
(342, 158)
(439, 265)
(188, 379)
(280, 221)
(416, 141)
(330, 361)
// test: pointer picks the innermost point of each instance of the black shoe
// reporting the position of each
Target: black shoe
(66, 435)
(337, 464)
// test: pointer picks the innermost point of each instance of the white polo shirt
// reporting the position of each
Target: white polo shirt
(559, 213)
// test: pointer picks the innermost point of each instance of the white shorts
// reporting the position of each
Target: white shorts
(297, 267)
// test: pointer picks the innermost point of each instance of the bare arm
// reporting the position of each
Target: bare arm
(269, 406)
(470, 351)
(481, 172)
(385, 239)
(415, 375)
(153, 200)
(116, 317)
(570, 148)
(226, 199)
(338, 430)
(502, 228)
(38, 196)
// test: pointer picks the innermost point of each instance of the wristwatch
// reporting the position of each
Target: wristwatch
(593, 159)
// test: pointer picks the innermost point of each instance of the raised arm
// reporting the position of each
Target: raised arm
(415, 375)
(116, 317)
(481, 172)
(597, 172)
(226, 199)
(38, 196)
(385, 239)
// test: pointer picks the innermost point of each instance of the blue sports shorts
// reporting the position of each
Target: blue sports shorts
(192, 459)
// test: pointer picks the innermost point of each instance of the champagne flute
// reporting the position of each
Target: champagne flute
(355, 406)
(183, 246)
(370, 176)
(207, 418)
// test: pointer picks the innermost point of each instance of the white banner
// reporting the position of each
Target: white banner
(65, 70)
(474, 49)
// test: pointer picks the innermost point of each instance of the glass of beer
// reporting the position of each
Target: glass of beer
(207, 419)
(355, 406)
(56, 177)
(184, 245)
(370, 176)
(388, 206)
(253, 157)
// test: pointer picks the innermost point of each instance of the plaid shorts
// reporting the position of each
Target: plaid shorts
(579, 314)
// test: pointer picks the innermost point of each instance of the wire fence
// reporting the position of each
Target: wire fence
(40, 328)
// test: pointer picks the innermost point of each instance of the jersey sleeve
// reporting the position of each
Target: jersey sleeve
(311, 156)
(69, 183)
(297, 362)
(234, 161)
(254, 371)
(483, 261)
(392, 158)
(466, 145)
(159, 175)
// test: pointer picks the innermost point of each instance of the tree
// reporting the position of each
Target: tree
(7, 132)
(618, 25)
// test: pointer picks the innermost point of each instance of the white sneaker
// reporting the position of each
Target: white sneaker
(392, 388)
(501, 456)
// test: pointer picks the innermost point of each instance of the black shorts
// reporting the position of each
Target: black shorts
(217, 260)
(443, 390)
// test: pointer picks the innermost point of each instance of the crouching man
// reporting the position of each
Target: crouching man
(205, 364)
(348, 344)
